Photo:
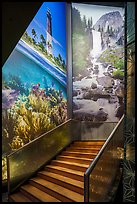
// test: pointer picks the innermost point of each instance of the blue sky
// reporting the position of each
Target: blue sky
(58, 13)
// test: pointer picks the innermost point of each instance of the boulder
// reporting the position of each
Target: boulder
(109, 90)
(80, 115)
(105, 81)
(95, 71)
(75, 93)
(88, 95)
(89, 77)
(119, 111)
(119, 91)
(75, 106)
(113, 99)
(105, 64)
(107, 74)
(100, 115)
(93, 85)
(89, 69)
(96, 66)
(110, 68)
(85, 89)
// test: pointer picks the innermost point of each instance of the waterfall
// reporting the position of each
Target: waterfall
(96, 44)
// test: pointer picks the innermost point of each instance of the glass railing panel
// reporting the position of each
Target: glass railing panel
(28, 159)
(96, 130)
(105, 169)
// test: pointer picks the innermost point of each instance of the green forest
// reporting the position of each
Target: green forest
(80, 41)
(115, 57)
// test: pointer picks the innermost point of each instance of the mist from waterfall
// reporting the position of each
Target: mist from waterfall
(97, 49)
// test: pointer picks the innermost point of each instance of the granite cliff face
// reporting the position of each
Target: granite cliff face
(111, 22)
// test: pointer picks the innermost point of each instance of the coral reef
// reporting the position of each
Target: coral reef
(9, 121)
(26, 117)
(4, 168)
(34, 115)
(14, 82)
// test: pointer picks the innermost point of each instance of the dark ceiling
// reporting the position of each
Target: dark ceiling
(16, 17)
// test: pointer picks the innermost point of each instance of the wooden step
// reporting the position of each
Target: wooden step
(35, 193)
(91, 143)
(18, 197)
(77, 175)
(94, 147)
(59, 192)
(75, 159)
(81, 149)
(70, 165)
(79, 154)
(87, 146)
(64, 181)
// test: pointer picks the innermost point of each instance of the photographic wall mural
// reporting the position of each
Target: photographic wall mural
(34, 97)
(98, 62)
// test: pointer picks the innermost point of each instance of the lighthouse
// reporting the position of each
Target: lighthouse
(49, 32)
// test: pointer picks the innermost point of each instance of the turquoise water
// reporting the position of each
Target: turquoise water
(29, 72)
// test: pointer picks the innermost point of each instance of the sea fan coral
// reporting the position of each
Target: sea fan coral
(31, 124)
(9, 121)
(4, 168)
(34, 116)
(39, 104)
(55, 96)
(16, 143)
(59, 113)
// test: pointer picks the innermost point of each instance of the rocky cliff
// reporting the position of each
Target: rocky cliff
(111, 23)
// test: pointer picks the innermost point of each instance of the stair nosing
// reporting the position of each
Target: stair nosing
(79, 173)
(55, 188)
(71, 163)
(75, 182)
(66, 156)
(86, 153)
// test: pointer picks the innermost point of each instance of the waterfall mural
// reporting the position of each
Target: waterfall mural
(98, 62)
(34, 98)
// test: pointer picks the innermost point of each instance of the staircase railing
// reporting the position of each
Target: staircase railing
(96, 130)
(26, 161)
(100, 177)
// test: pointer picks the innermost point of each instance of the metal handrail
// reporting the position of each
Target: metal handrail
(93, 164)
(51, 131)
(24, 146)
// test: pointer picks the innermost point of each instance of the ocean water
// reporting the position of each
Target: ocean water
(31, 68)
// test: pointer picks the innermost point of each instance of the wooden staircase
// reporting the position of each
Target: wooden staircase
(63, 179)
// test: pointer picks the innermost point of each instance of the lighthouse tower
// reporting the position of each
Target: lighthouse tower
(49, 32)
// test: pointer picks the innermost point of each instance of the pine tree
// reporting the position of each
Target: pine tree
(88, 23)
(108, 29)
(91, 22)
(111, 31)
(99, 28)
(84, 21)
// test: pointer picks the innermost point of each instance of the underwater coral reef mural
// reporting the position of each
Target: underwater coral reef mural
(34, 97)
